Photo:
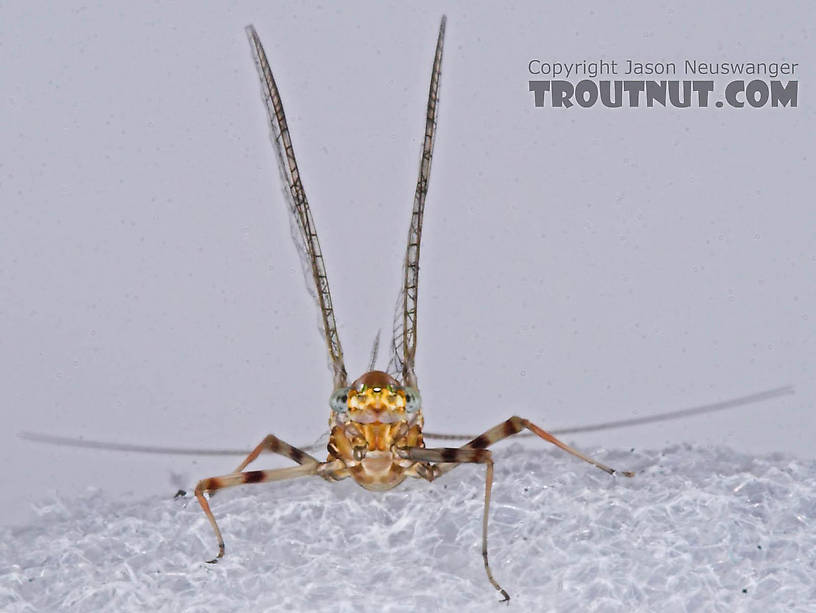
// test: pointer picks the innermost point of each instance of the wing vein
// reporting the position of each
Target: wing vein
(299, 205)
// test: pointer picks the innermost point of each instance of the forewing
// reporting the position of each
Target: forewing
(299, 205)
(405, 329)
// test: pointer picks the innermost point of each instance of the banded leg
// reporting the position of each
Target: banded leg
(254, 476)
(514, 425)
(275, 445)
(461, 455)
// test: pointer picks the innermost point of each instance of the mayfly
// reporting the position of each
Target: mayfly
(375, 421)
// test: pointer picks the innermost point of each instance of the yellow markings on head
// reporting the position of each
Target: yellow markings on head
(383, 398)
(376, 397)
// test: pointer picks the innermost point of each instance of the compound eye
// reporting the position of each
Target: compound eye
(338, 401)
(413, 401)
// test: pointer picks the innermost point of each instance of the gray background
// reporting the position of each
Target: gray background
(577, 265)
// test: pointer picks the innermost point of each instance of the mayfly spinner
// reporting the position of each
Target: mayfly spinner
(376, 420)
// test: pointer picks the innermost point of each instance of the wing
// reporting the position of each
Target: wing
(299, 205)
(405, 333)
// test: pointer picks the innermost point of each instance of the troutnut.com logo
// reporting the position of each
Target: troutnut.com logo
(735, 84)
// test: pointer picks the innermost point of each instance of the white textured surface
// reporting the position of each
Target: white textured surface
(697, 529)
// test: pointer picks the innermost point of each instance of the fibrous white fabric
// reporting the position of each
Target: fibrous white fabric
(698, 529)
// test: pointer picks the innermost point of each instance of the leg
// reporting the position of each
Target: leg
(254, 476)
(514, 425)
(275, 445)
(459, 456)
(447, 459)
